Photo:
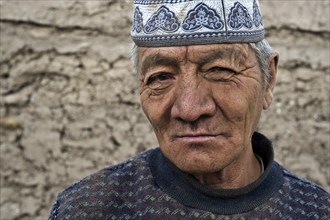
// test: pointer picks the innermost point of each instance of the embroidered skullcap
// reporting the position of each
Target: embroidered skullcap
(158, 23)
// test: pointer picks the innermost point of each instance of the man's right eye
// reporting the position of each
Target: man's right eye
(159, 80)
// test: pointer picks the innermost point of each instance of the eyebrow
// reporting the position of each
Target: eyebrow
(231, 54)
(159, 60)
(210, 57)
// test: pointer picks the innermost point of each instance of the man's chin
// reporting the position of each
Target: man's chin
(199, 166)
(201, 157)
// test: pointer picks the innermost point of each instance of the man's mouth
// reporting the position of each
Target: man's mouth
(195, 137)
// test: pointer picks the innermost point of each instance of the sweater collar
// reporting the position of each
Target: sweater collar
(188, 191)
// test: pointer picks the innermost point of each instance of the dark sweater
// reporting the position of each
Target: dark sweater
(149, 186)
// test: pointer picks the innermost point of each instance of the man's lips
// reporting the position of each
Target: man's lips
(195, 137)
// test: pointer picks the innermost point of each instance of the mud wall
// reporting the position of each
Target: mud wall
(69, 104)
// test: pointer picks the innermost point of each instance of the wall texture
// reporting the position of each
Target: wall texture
(69, 104)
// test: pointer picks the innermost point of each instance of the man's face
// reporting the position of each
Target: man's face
(204, 102)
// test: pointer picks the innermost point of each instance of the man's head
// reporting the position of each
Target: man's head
(204, 95)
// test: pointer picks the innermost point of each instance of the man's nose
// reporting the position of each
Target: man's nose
(193, 101)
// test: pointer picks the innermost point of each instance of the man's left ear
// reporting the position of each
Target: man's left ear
(272, 65)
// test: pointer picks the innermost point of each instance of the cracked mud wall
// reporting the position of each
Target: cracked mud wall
(69, 102)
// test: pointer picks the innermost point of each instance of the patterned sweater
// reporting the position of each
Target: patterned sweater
(149, 186)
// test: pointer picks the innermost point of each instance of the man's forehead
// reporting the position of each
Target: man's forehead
(225, 51)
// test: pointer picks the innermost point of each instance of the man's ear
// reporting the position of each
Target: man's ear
(272, 65)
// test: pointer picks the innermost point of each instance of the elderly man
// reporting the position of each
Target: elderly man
(206, 73)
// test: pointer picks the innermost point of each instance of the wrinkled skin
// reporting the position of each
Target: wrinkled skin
(204, 103)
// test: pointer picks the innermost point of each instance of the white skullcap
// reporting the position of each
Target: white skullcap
(159, 23)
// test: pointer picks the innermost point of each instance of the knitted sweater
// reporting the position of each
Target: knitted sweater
(149, 186)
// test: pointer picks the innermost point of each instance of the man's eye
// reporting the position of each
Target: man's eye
(159, 80)
(220, 74)
(158, 77)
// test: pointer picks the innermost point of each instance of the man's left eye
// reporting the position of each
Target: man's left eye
(220, 74)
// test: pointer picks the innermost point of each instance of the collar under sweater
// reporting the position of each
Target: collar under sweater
(188, 191)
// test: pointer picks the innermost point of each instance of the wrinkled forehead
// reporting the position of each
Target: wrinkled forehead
(241, 49)
(199, 54)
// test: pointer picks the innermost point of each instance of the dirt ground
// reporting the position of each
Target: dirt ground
(69, 102)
